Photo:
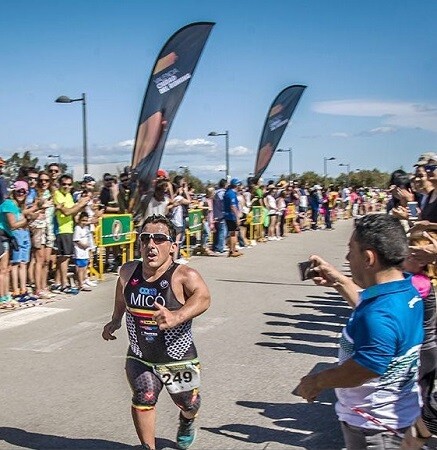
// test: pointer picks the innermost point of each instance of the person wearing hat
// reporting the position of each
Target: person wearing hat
(429, 211)
(219, 217)
(232, 215)
(271, 206)
(14, 225)
(162, 174)
(424, 159)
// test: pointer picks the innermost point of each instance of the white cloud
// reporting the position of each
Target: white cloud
(378, 131)
(397, 114)
(199, 142)
(240, 151)
(128, 143)
(340, 135)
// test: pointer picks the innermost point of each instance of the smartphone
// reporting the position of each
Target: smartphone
(412, 210)
(306, 270)
(294, 391)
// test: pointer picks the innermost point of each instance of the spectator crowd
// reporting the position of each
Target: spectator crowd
(48, 220)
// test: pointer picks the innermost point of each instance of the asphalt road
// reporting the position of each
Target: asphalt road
(62, 386)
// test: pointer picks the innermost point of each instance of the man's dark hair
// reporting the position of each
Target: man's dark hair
(65, 176)
(384, 234)
(154, 218)
(222, 183)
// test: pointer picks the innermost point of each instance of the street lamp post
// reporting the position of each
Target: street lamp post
(325, 166)
(290, 160)
(226, 133)
(348, 168)
(65, 99)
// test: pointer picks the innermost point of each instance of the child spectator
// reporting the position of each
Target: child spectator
(83, 242)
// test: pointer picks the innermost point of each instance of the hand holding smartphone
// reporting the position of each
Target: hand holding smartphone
(306, 270)
(413, 213)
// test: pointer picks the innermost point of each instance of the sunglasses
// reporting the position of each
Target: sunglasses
(21, 192)
(32, 178)
(54, 170)
(430, 167)
(66, 184)
(108, 179)
(158, 238)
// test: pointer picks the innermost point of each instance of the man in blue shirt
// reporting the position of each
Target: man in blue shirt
(376, 379)
(219, 217)
(232, 215)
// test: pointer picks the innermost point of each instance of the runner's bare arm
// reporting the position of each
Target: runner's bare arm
(119, 304)
(189, 284)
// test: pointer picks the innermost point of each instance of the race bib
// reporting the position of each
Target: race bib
(179, 378)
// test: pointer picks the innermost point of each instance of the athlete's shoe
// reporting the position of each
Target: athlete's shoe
(56, 288)
(186, 433)
(69, 290)
(26, 297)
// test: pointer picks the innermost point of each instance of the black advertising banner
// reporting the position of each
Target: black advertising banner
(168, 82)
(276, 122)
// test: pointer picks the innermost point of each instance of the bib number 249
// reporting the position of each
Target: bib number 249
(180, 380)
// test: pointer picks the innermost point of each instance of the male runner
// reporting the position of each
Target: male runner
(160, 299)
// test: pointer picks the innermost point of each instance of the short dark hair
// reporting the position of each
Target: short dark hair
(158, 218)
(222, 183)
(83, 215)
(65, 176)
(384, 234)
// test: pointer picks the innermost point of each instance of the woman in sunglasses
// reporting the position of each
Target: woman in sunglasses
(160, 299)
(429, 211)
(42, 233)
(15, 225)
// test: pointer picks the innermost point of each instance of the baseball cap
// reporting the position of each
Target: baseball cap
(88, 179)
(235, 182)
(281, 184)
(20, 185)
(424, 158)
(162, 173)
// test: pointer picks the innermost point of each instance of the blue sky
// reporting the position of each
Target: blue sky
(370, 68)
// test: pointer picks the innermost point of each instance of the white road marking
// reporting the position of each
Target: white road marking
(17, 318)
(60, 340)
(295, 430)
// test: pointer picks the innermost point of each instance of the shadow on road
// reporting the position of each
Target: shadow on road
(326, 314)
(27, 439)
(311, 426)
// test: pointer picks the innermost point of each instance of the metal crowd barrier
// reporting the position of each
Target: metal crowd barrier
(113, 230)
